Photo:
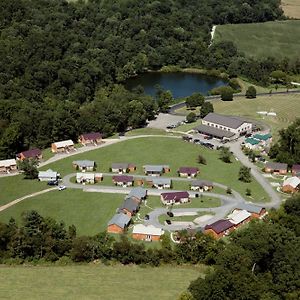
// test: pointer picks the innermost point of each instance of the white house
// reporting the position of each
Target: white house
(160, 183)
(146, 233)
(48, 175)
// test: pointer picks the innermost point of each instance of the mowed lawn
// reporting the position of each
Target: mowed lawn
(170, 151)
(278, 38)
(13, 187)
(287, 108)
(96, 282)
(89, 212)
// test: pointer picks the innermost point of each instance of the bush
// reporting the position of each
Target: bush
(248, 192)
(201, 159)
(251, 92)
(227, 94)
(191, 117)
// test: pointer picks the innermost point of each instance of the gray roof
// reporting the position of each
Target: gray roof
(160, 180)
(119, 166)
(138, 192)
(276, 166)
(154, 168)
(214, 131)
(250, 207)
(201, 183)
(120, 220)
(231, 122)
(47, 174)
(130, 204)
(84, 163)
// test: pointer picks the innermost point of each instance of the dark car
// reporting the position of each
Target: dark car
(52, 182)
(170, 214)
(208, 137)
(196, 141)
(168, 222)
(248, 135)
(147, 217)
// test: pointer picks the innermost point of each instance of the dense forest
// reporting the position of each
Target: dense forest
(57, 56)
(258, 261)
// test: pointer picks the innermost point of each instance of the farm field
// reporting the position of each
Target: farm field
(278, 39)
(96, 282)
(291, 8)
(89, 212)
(171, 151)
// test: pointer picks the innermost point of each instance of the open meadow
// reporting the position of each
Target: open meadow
(89, 212)
(278, 38)
(96, 282)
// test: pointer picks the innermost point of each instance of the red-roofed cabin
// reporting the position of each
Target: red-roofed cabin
(219, 228)
(188, 171)
(123, 180)
(32, 153)
(175, 197)
(92, 138)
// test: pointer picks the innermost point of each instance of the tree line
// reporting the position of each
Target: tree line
(58, 56)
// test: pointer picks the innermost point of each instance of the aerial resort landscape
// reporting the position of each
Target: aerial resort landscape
(150, 149)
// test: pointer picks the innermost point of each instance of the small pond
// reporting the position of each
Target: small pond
(181, 84)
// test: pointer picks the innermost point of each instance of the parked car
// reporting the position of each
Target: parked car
(62, 187)
(208, 137)
(248, 135)
(52, 182)
(168, 222)
(196, 141)
(170, 214)
(147, 217)
(171, 126)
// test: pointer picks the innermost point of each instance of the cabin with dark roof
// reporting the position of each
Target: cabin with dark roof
(219, 228)
(30, 154)
(188, 171)
(276, 168)
(123, 180)
(130, 206)
(92, 138)
(175, 197)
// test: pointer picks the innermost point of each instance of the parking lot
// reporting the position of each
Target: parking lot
(164, 120)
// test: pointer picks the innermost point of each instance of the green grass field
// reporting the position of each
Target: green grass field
(96, 282)
(278, 39)
(89, 212)
(171, 151)
(14, 187)
(287, 108)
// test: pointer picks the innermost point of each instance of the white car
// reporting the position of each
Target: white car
(62, 187)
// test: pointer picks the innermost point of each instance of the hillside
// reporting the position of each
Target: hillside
(278, 39)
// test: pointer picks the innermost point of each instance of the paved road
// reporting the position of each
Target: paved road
(275, 198)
